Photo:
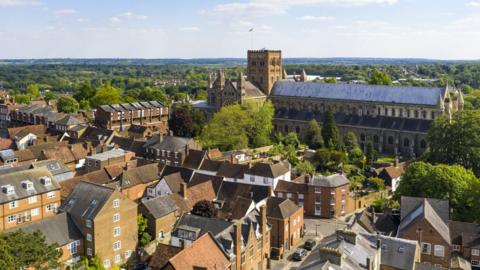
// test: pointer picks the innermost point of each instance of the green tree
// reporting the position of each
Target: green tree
(453, 183)
(227, 129)
(67, 105)
(201, 95)
(291, 155)
(262, 128)
(330, 80)
(370, 153)
(143, 236)
(107, 95)
(323, 157)
(356, 155)
(330, 133)
(29, 250)
(7, 262)
(305, 167)
(314, 137)
(150, 94)
(48, 96)
(377, 183)
(291, 139)
(33, 90)
(456, 141)
(204, 208)
(379, 78)
(22, 99)
(85, 92)
(84, 105)
(181, 122)
(357, 182)
(350, 141)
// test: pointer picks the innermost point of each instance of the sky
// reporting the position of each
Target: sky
(435, 29)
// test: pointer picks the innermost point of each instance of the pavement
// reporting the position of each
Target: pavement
(320, 230)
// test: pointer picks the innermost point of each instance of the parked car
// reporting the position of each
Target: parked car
(309, 244)
(299, 254)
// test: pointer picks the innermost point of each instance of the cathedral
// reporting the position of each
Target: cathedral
(395, 119)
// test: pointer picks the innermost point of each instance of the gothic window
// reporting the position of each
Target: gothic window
(379, 111)
(406, 142)
(416, 114)
(423, 144)
(401, 113)
(375, 138)
(424, 113)
(390, 140)
(433, 115)
(385, 111)
(362, 137)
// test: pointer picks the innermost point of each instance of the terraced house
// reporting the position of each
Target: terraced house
(121, 116)
(27, 196)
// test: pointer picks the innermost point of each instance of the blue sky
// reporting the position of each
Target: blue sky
(441, 29)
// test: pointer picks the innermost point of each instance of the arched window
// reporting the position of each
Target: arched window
(385, 111)
(375, 138)
(423, 144)
(416, 114)
(362, 137)
(379, 111)
(390, 140)
(406, 142)
(424, 115)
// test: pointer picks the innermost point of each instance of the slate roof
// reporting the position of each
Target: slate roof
(251, 90)
(168, 143)
(59, 229)
(185, 173)
(269, 170)
(292, 187)
(343, 119)
(428, 96)
(210, 165)
(334, 180)
(86, 200)
(395, 252)
(230, 170)
(96, 134)
(199, 178)
(465, 234)
(15, 179)
(410, 203)
(174, 182)
(140, 175)
(162, 254)
(212, 225)
(34, 129)
(194, 159)
(68, 120)
(55, 167)
(231, 190)
(281, 208)
(159, 206)
(129, 144)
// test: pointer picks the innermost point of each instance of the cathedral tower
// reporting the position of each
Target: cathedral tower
(264, 68)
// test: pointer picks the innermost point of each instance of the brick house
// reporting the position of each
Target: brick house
(121, 116)
(111, 157)
(134, 181)
(286, 219)
(324, 196)
(170, 150)
(466, 241)
(107, 220)
(61, 230)
(426, 221)
(27, 196)
(161, 213)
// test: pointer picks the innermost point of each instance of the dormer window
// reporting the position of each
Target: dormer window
(46, 181)
(27, 184)
(8, 189)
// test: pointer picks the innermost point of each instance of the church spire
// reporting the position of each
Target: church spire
(441, 103)
(304, 76)
(285, 75)
(220, 81)
(241, 83)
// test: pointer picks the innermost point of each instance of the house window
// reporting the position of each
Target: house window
(475, 262)
(32, 199)
(88, 223)
(117, 245)
(252, 178)
(318, 190)
(116, 203)
(51, 207)
(426, 248)
(318, 199)
(35, 212)
(116, 231)
(116, 217)
(106, 263)
(89, 252)
(11, 219)
(390, 140)
(50, 194)
(13, 204)
(117, 258)
(89, 237)
(280, 195)
(265, 180)
(456, 247)
(300, 197)
(289, 195)
(73, 247)
(127, 254)
(439, 251)
(475, 252)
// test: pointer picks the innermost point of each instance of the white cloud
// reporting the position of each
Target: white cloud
(64, 12)
(315, 18)
(13, 3)
(473, 4)
(115, 19)
(261, 8)
(190, 29)
(131, 15)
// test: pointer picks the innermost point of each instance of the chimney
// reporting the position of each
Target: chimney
(369, 266)
(306, 178)
(347, 236)
(183, 190)
(263, 214)
(238, 242)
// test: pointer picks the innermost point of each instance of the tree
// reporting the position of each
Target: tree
(262, 117)
(350, 141)
(356, 155)
(322, 156)
(291, 154)
(67, 105)
(33, 90)
(7, 262)
(204, 208)
(29, 250)
(22, 99)
(453, 183)
(314, 137)
(291, 140)
(330, 133)
(379, 78)
(370, 153)
(84, 105)
(181, 122)
(357, 182)
(158, 94)
(330, 80)
(227, 129)
(305, 167)
(107, 95)
(143, 236)
(85, 92)
(456, 141)
(201, 95)
(49, 96)
(377, 183)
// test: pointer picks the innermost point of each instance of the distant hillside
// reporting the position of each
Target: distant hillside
(231, 61)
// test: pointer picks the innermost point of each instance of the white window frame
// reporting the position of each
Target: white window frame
(116, 217)
(116, 203)
(89, 252)
(475, 262)
(35, 212)
(116, 231)
(429, 248)
(456, 247)
(439, 251)
(51, 194)
(279, 194)
(88, 223)
(117, 245)
(32, 199)
(11, 218)
(13, 204)
(117, 258)
(106, 263)
(89, 237)
(475, 252)
(127, 254)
